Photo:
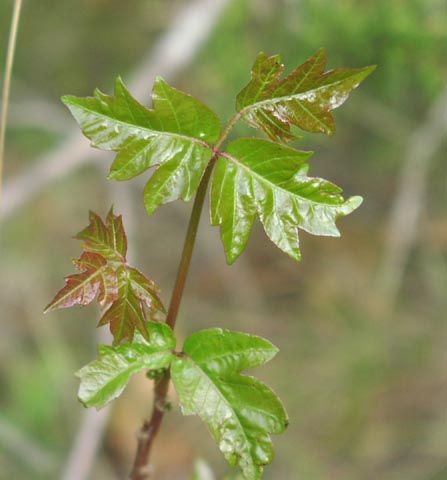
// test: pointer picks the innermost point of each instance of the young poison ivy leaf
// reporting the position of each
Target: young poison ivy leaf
(177, 136)
(81, 288)
(304, 98)
(127, 313)
(109, 240)
(240, 411)
(258, 178)
(104, 379)
(123, 292)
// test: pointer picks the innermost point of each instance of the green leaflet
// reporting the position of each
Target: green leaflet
(240, 411)
(105, 378)
(176, 135)
(260, 178)
(304, 98)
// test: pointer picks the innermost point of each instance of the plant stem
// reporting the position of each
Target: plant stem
(188, 246)
(7, 82)
(148, 432)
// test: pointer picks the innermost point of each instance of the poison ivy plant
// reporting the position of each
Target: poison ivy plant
(251, 178)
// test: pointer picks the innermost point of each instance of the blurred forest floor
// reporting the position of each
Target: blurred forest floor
(362, 366)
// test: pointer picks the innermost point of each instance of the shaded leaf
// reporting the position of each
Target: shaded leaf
(304, 98)
(240, 411)
(175, 135)
(258, 178)
(104, 379)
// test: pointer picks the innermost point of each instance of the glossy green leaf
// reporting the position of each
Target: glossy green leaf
(104, 379)
(258, 178)
(123, 293)
(240, 411)
(176, 136)
(304, 98)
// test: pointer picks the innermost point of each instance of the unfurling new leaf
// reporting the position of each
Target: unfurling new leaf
(240, 411)
(123, 293)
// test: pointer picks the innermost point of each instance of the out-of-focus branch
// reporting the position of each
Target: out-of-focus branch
(88, 438)
(401, 230)
(39, 114)
(7, 82)
(380, 119)
(175, 49)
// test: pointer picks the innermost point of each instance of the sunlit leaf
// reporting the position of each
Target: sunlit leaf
(105, 378)
(176, 136)
(240, 411)
(304, 98)
(258, 178)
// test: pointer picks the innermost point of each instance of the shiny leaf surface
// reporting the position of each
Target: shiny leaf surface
(127, 312)
(175, 136)
(104, 379)
(258, 178)
(81, 288)
(123, 293)
(304, 98)
(109, 239)
(240, 411)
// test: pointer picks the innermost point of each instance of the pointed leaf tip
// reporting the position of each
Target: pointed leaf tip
(175, 137)
(304, 98)
(256, 178)
(240, 411)
(123, 293)
(104, 379)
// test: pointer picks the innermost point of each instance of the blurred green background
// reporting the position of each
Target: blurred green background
(360, 322)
